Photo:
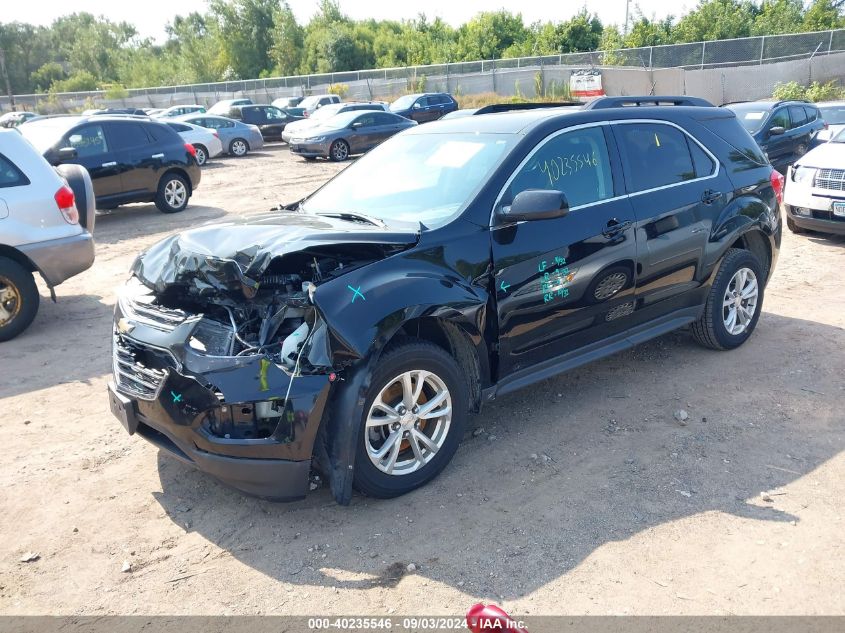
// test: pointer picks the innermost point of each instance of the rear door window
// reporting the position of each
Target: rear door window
(10, 175)
(797, 115)
(89, 140)
(654, 155)
(127, 135)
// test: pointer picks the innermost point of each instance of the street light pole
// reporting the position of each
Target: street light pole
(627, 10)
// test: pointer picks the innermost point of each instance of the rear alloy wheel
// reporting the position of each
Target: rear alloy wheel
(800, 150)
(19, 299)
(201, 155)
(172, 195)
(238, 147)
(734, 303)
(414, 419)
(339, 151)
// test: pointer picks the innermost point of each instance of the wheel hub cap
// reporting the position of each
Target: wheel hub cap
(408, 422)
(740, 302)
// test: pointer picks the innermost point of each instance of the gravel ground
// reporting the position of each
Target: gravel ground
(581, 495)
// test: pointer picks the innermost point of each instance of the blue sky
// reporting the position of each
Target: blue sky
(150, 16)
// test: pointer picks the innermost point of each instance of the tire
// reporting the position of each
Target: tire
(168, 199)
(800, 150)
(790, 224)
(238, 147)
(202, 154)
(19, 299)
(445, 431)
(339, 151)
(711, 330)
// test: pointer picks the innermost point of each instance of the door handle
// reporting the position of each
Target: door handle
(112, 163)
(615, 227)
(709, 196)
(157, 156)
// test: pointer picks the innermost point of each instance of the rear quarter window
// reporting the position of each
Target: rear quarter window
(10, 175)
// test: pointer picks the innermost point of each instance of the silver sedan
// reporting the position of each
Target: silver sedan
(238, 138)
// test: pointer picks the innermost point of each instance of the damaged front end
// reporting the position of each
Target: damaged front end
(224, 359)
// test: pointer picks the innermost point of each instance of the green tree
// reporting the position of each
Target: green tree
(246, 34)
(779, 16)
(288, 41)
(80, 81)
(716, 20)
(581, 33)
(823, 15)
(489, 34)
(45, 76)
(27, 49)
(194, 48)
(90, 44)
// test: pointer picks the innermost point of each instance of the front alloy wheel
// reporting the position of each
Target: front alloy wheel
(408, 422)
(413, 419)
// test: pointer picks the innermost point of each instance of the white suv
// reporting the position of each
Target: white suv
(40, 228)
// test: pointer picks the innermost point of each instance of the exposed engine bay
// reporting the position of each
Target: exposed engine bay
(273, 320)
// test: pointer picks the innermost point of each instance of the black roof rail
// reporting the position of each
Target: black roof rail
(509, 107)
(618, 102)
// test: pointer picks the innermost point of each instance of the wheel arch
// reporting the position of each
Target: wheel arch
(16, 256)
(179, 172)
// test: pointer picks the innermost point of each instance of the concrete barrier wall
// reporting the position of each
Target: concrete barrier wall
(718, 85)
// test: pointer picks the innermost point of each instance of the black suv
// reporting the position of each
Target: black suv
(784, 130)
(458, 261)
(130, 159)
(424, 107)
(269, 119)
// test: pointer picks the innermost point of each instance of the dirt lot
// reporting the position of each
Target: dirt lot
(582, 495)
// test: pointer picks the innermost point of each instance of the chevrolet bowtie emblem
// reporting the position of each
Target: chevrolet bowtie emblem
(125, 326)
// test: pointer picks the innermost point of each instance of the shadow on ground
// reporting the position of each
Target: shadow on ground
(559, 470)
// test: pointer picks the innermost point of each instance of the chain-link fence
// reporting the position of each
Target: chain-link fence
(506, 76)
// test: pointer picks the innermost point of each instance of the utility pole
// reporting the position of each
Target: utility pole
(627, 10)
(6, 78)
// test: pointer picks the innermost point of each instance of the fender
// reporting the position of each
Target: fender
(363, 310)
(744, 214)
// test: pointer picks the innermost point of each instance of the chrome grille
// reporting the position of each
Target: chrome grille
(133, 378)
(831, 179)
(153, 315)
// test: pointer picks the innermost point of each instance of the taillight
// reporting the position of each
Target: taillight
(777, 184)
(66, 202)
(826, 125)
(191, 150)
(216, 135)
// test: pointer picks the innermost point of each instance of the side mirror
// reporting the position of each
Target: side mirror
(536, 204)
(777, 130)
(417, 106)
(66, 153)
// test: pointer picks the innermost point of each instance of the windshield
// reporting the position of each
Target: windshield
(751, 115)
(403, 103)
(45, 133)
(833, 115)
(428, 178)
(839, 138)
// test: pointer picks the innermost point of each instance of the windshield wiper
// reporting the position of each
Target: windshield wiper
(348, 215)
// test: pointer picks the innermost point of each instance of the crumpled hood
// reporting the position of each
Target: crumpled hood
(231, 256)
